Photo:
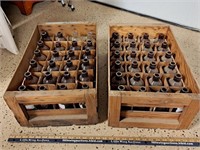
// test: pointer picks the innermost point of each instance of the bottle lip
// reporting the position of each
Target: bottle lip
(55, 53)
(44, 34)
(147, 44)
(28, 75)
(115, 35)
(62, 87)
(42, 88)
(137, 77)
(130, 35)
(117, 53)
(84, 73)
(116, 44)
(59, 34)
(33, 62)
(117, 62)
(164, 45)
(69, 63)
(85, 86)
(168, 55)
(121, 88)
(142, 89)
(161, 36)
(185, 90)
(133, 44)
(85, 61)
(58, 44)
(150, 54)
(172, 65)
(153, 65)
(37, 52)
(177, 77)
(40, 43)
(74, 43)
(52, 63)
(89, 43)
(66, 74)
(146, 36)
(163, 90)
(134, 64)
(118, 74)
(22, 88)
(156, 76)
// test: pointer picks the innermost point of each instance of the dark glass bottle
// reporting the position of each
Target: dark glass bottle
(136, 80)
(117, 67)
(39, 56)
(116, 46)
(69, 66)
(56, 56)
(52, 66)
(163, 47)
(132, 56)
(147, 46)
(89, 45)
(45, 36)
(49, 79)
(121, 88)
(163, 90)
(118, 79)
(67, 78)
(152, 68)
(86, 64)
(84, 77)
(176, 81)
(155, 80)
(59, 37)
(149, 56)
(167, 57)
(42, 45)
(160, 38)
(84, 86)
(42, 88)
(35, 67)
(145, 37)
(70, 55)
(30, 78)
(134, 67)
(130, 37)
(115, 37)
(170, 68)
(23, 88)
(116, 56)
(59, 47)
(132, 47)
(88, 54)
(142, 89)
(75, 46)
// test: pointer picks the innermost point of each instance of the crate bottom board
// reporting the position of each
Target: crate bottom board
(59, 120)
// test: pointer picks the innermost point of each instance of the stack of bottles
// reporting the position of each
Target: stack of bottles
(144, 63)
(61, 62)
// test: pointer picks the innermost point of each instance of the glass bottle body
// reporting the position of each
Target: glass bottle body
(149, 56)
(42, 45)
(35, 67)
(56, 56)
(84, 77)
(59, 47)
(45, 36)
(136, 80)
(30, 78)
(52, 66)
(49, 79)
(170, 68)
(152, 68)
(39, 56)
(86, 64)
(116, 56)
(67, 78)
(132, 56)
(176, 81)
(59, 37)
(134, 67)
(155, 80)
(118, 79)
(117, 67)
(69, 66)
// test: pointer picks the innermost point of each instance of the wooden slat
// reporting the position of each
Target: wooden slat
(149, 123)
(55, 112)
(20, 114)
(114, 111)
(50, 97)
(23, 66)
(91, 105)
(61, 120)
(164, 115)
(155, 99)
(189, 113)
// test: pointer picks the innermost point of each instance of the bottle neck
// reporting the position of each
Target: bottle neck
(177, 78)
(71, 53)
(137, 77)
(66, 75)
(156, 77)
(22, 88)
(134, 64)
(48, 75)
(84, 73)
(52, 64)
(86, 62)
(28, 76)
(118, 75)
(33, 63)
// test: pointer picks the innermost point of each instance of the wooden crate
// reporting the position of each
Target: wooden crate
(17, 100)
(120, 117)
